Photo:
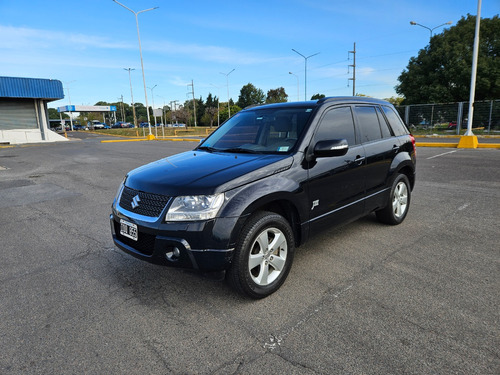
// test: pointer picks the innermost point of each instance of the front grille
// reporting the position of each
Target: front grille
(145, 243)
(149, 204)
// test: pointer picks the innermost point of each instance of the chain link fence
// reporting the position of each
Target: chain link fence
(451, 118)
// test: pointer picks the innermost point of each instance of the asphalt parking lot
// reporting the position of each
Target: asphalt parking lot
(419, 298)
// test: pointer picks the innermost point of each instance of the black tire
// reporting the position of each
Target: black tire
(399, 202)
(258, 271)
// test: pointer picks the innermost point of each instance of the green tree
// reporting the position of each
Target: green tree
(395, 100)
(277, 96)
(249, 94)
(441, 72)
(223, 114)
(53, 114)
(317, 96)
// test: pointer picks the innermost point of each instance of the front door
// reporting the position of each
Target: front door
(336, 184)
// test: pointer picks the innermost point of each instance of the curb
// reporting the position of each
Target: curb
(454, 145)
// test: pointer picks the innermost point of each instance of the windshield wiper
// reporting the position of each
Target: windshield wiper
(239, 150)
(207, 148)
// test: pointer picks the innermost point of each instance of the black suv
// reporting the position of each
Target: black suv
(262, 183)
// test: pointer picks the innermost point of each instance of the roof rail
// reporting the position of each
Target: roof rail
(350, 98)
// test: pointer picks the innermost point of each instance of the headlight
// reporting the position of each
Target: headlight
(192, 208)
(120, 188)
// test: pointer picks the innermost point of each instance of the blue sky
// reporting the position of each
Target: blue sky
(87, 43)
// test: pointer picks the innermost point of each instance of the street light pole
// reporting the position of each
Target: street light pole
(227, 85)
(305, 70)
(296, 76)
(475, 53)
(152, 95)
(69, 97)
(140, 51)
(132, 95)
(413, 23)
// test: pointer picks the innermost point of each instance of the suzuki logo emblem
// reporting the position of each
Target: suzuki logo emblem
(135, 201)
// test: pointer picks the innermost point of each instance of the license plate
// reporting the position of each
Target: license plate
(128, 229)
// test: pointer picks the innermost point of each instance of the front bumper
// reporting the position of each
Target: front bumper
(171, 244)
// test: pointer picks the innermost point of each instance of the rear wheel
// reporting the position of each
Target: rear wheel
(263, 256)
(399, 203)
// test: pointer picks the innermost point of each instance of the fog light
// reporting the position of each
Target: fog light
(174, 254)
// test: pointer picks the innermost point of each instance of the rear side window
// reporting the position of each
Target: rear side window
(397, 125)
(369, 125)
(386, 131)
(337, 123)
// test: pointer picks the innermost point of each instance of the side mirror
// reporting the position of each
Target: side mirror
(335, 147)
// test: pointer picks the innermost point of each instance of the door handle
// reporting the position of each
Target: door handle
(395, 148)
(359, 159)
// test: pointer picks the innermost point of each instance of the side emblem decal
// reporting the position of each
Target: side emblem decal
(315, 204)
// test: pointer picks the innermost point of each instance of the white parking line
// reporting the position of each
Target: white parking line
(444, 153)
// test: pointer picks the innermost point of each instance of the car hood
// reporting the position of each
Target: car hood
(202, 172)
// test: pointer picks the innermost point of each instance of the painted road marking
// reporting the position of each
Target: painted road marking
(444, 153)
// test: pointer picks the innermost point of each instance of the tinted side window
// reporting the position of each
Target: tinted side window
(386, 131)
(397, 125)
(369, 126)
(337, 123)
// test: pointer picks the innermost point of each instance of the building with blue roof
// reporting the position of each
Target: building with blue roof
(23, 109)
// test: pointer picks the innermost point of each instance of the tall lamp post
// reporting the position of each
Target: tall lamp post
(469, 140)
(413, 23)
(152, 96)
(296, 76)
(69, 96)
(305, 70)
(142, 64)
(132, 95)
(227, 85)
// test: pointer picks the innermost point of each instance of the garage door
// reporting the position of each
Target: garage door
(17, 114)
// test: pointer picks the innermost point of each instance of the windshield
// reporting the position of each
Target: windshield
(260, 130)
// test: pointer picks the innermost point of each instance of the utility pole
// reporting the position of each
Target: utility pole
(353, 79)
(194, 101)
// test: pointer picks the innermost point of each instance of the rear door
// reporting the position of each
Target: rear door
(380, 147)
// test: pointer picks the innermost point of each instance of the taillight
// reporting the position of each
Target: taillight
(413, 143)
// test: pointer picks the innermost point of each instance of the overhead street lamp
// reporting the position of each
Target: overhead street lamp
(227, 85)
(140, 51)
(413, 23)
(305, 70)
(132, 95)
(296, 76)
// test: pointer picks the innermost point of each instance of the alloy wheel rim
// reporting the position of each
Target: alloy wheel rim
(268, 256)
(400, 200)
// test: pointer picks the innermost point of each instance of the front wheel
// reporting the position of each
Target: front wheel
(263, 256)
(399, 203)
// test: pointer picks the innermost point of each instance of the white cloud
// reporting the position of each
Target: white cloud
(23, 37)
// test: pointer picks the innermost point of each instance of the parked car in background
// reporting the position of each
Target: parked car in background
(95, 124)
(122, 124)
(144, 125)
(264, 182)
